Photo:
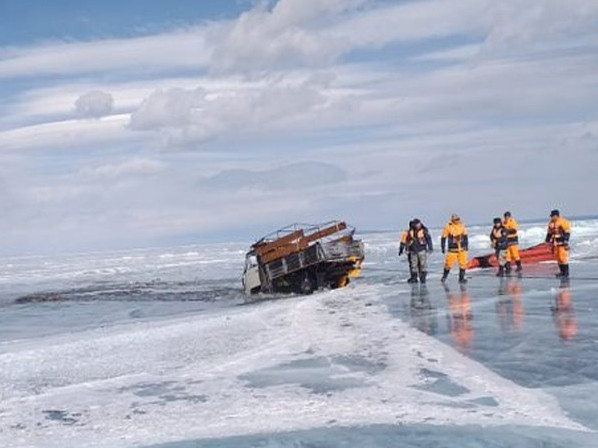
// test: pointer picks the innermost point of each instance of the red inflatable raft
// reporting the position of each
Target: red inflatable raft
(534, 254)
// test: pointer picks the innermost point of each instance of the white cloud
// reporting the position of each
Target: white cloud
(310, 33)
(293, 33)
(453, 54)
(544, 25)
(67, 134)
(184, 49)
(94, 104)
(305, 175)
(45, 104)
(289, 34)
(200, 116)
(413, 21)
(172, 108)
(132, 167)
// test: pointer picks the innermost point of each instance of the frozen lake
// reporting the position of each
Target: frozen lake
(159, 348)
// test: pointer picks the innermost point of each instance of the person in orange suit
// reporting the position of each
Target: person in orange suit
(460, 317)
(403, 247)
(559, 231)
(419, 244)
(455, 234)
(499, 242)
(563, 312)
(512, 242)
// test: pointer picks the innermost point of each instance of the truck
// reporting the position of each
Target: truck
(302, 258)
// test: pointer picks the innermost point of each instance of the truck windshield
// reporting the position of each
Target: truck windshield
(251, 261)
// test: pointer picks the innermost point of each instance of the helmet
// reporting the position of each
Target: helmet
(455, 217)
(507, 214)
(497, 220)
(554, 212)
(416, 222)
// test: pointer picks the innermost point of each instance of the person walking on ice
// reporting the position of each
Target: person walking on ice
(419, 244)
(455, 234)
(512, 243)
(499, 242)
(559, 231)
(403, 248)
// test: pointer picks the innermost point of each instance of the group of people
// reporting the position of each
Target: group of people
(416, 242)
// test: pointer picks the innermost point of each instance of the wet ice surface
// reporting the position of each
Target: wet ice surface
(159, 348)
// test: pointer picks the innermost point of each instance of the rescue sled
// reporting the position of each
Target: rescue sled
(535, 254)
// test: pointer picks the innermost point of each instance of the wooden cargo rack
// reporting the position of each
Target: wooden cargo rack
(295, 241)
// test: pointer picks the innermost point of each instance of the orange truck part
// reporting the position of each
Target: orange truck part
(327, 231)
(294, 242)
(264, 248)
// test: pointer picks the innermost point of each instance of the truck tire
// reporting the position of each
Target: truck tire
(307, 284)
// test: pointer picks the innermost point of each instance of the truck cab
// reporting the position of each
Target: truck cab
(251, 274)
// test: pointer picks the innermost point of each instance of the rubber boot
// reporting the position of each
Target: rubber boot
(413, 278)
(445, 274)
(564, 271)
(508, 268)
(462, 278)
(501, 271)
(519, 268)
(422, 277)
(561, 271)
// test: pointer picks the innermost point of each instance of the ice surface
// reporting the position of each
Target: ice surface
(158, 346)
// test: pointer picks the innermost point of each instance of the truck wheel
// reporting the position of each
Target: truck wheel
(307, 284)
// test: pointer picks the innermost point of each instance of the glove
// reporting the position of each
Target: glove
(443, 250)
(566, 246)
(400, 252)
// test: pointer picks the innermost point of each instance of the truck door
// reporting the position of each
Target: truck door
(251, 275)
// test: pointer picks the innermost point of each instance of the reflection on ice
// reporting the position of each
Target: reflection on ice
(459, 317)
(563, 312)
(509, 304)
(422, 313)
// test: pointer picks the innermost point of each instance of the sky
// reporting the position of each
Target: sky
(138, 123)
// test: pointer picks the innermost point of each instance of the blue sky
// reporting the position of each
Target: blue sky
(32, 21)
(136, 123)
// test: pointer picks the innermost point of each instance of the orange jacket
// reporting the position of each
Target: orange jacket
(512, 226)
(559, 231)
(456, 234)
